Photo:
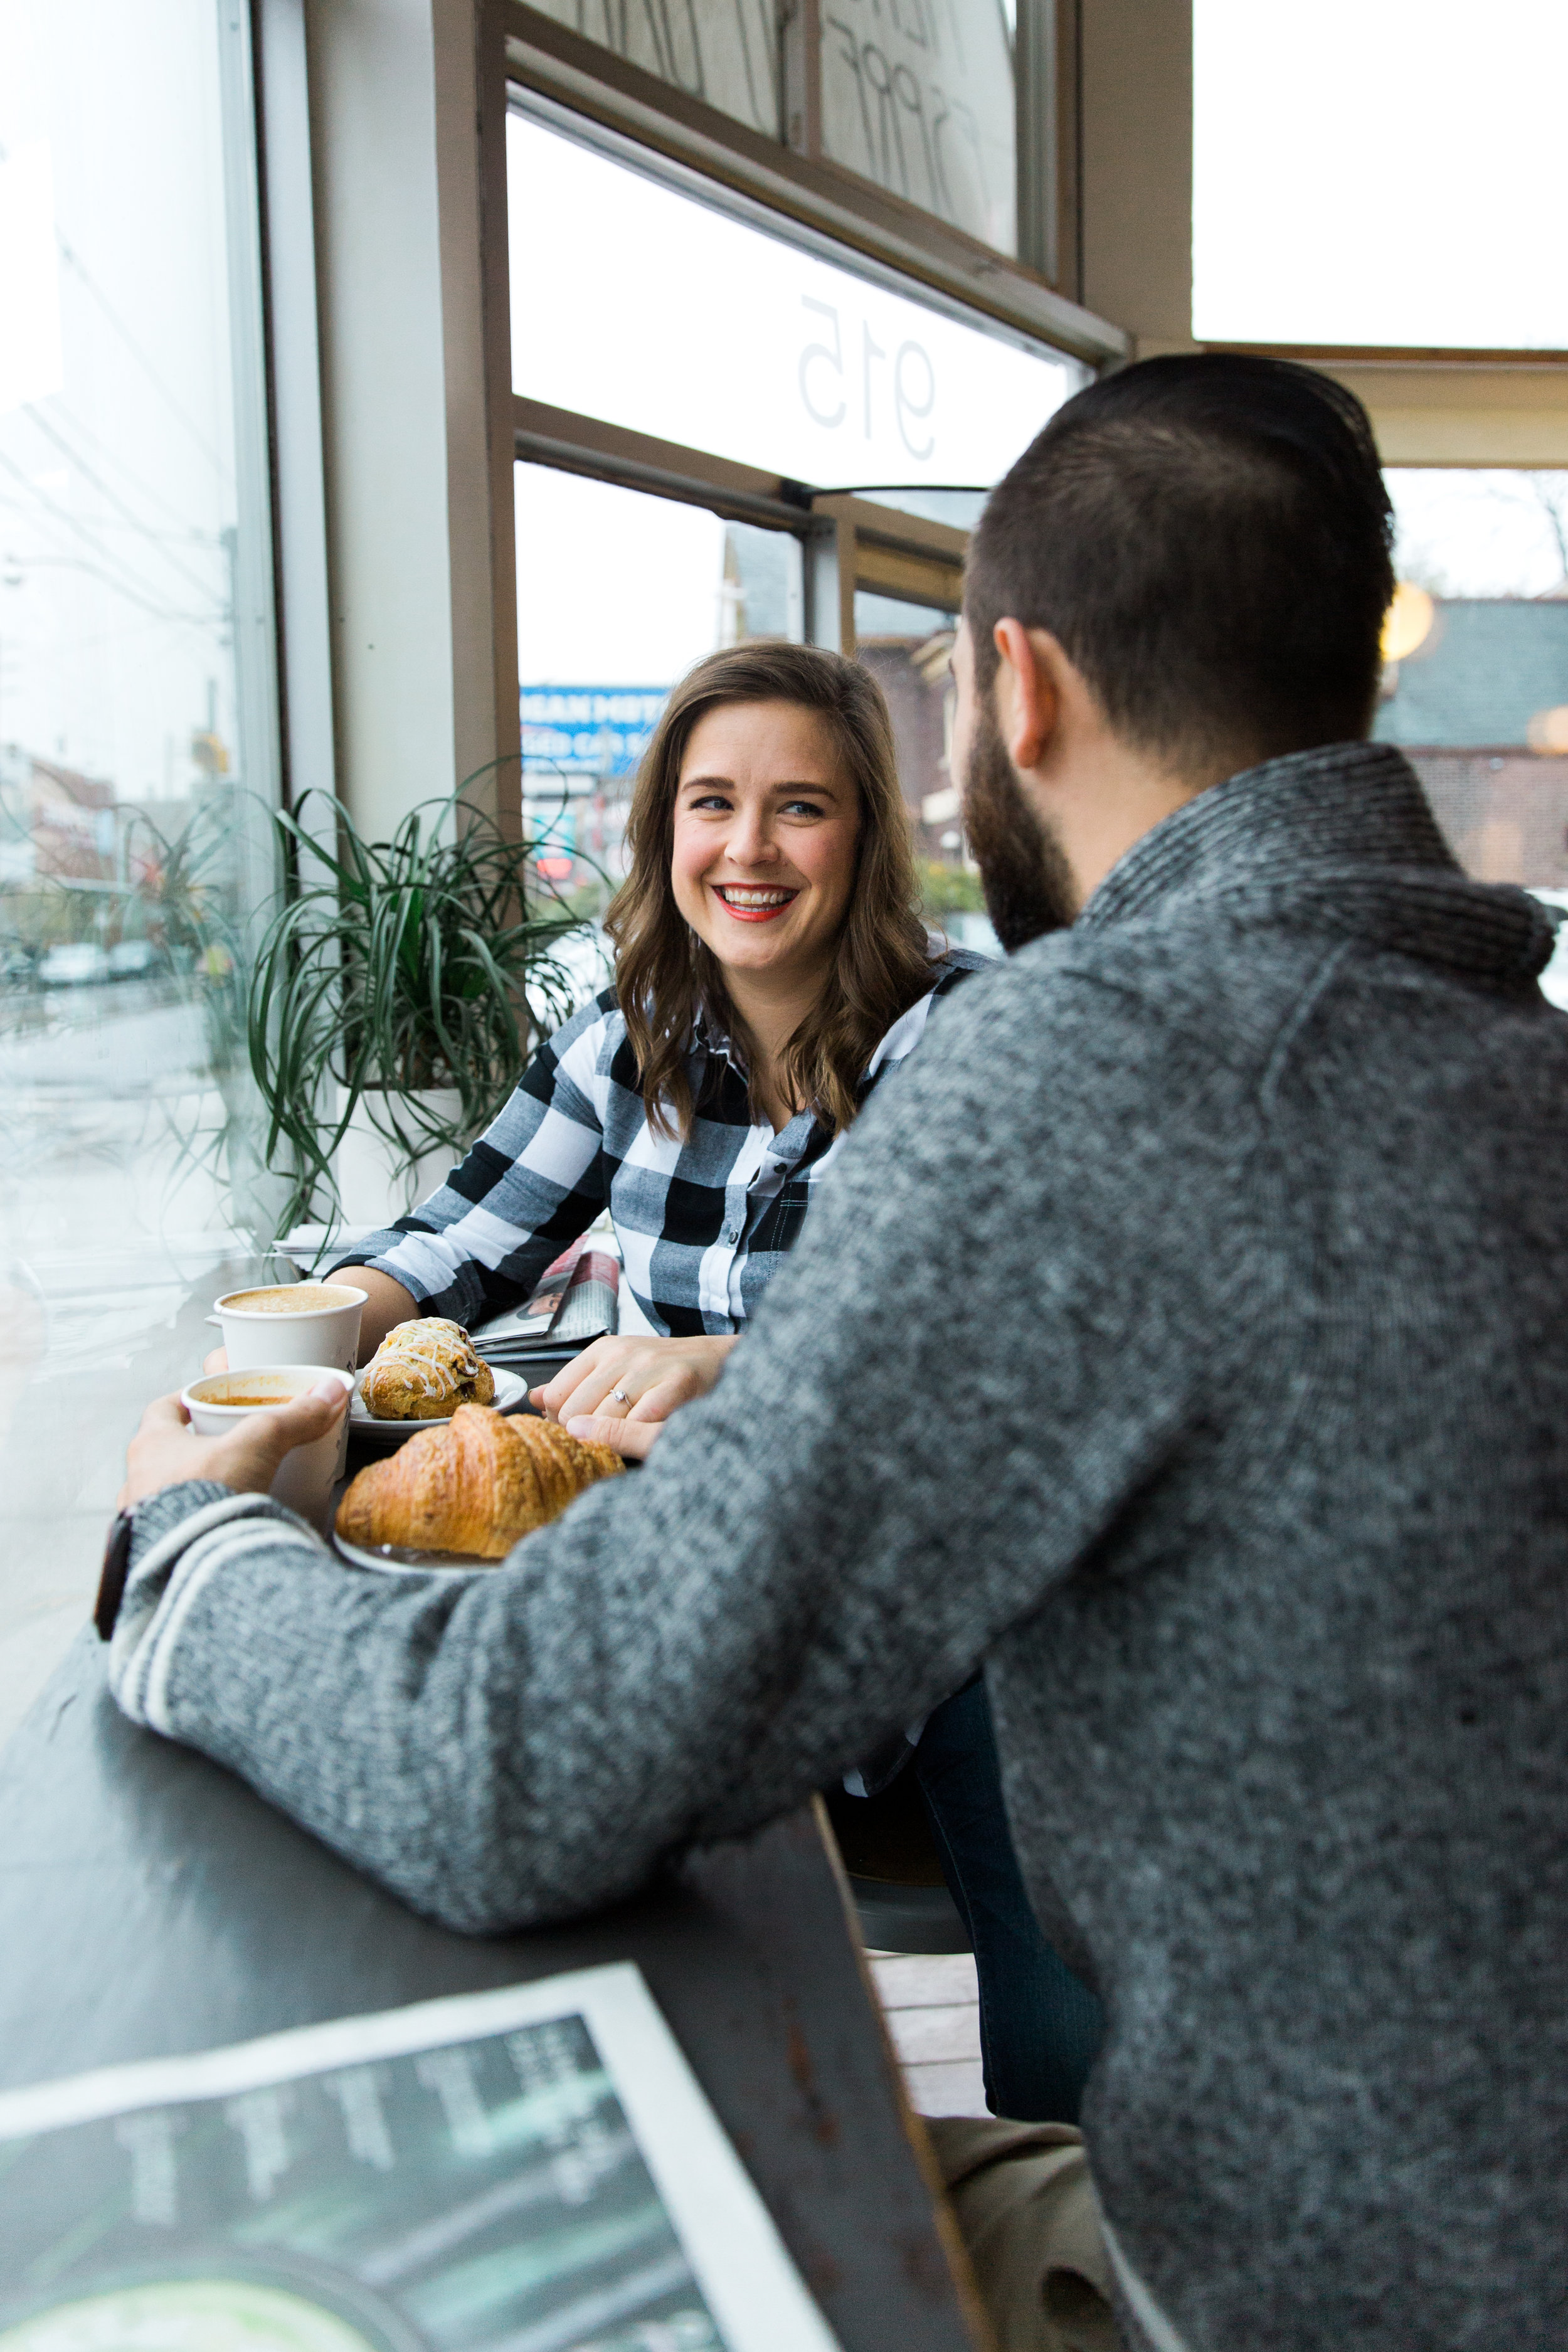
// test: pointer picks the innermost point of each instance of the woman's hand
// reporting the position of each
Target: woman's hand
(165, 1449)
(620, 1392)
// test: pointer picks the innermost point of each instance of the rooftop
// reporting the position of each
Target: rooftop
(1487, 667)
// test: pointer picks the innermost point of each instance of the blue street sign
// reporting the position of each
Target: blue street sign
(588, 730)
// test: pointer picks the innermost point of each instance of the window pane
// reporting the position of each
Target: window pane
(723, 51)
(128, 750)
(907, 650)
(1379, 172)
(618, 594)
(650, 310)
(1477, 692)
(919, 97)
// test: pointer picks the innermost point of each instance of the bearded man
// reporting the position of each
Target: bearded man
(1185, 1339)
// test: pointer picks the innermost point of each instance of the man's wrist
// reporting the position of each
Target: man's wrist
(156, 1514)
(115, 1570)
(134, 1530)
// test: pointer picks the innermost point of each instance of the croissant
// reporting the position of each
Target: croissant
(422, 1369)
(474, 1486)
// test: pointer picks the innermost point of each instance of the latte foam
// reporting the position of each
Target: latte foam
(289, 1298)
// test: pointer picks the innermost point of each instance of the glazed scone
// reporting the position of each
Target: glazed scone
(422, 1371)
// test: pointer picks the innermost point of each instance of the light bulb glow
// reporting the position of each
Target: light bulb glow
(1548, 730)
(1407, 621)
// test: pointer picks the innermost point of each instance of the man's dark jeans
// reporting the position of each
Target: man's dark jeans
(1040, 2026)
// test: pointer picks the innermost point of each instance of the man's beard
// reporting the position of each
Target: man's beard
(1023, 871)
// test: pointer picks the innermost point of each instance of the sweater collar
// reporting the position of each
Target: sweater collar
(1344, 804)
(1339, 839)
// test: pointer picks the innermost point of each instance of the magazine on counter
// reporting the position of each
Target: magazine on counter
(533, 2170)
(577, 1300)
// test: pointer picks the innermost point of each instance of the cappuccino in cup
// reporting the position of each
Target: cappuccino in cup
(291, 1298)
(293, 1323)
(306, 1476)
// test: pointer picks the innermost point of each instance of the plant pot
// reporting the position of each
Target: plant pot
(376, 1181)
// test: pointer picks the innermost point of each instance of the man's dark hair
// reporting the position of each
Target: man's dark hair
(1208, 537)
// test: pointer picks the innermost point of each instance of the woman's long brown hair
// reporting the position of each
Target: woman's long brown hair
(666, 976)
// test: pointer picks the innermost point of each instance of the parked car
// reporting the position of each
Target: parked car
(73, 965)
(132, 960)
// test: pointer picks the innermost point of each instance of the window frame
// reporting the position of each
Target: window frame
(798, 183)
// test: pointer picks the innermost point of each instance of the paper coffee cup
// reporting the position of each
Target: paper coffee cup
(293, 1323)
(306, 1475)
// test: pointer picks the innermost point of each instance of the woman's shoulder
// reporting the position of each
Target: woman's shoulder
(593, 1054)
(945, 971)
(585, 1041)
(594, 1015)
(955, 964)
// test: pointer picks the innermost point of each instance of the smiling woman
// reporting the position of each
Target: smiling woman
(770, 968)
(772, 778)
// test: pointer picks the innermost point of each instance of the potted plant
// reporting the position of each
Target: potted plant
(393, 998)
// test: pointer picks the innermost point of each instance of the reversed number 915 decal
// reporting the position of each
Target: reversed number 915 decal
(870, 376)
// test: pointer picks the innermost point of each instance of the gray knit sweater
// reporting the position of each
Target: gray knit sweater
(1185, 1335)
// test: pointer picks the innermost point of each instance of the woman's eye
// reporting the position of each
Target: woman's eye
(803, 808)
(709, 801)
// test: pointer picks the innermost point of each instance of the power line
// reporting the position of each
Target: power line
(37, 524)
(134, 348)
(140, 593)
(158, 612)
(106, 451)
(42, 425)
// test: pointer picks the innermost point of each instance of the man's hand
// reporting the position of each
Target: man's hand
(165, 1450)
(620, 1392)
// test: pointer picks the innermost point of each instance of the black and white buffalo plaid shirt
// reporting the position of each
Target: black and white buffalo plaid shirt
(703, 1225)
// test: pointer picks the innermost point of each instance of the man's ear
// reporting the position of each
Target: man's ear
(1028, 704)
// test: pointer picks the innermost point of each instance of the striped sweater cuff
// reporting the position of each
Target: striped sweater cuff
(180, 1534)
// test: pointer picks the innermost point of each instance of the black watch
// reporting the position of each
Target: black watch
(116, 1568)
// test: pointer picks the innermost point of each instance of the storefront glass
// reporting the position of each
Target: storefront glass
(917, 95)
(725, 52)
(134, 746)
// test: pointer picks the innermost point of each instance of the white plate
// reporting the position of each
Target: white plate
(395, 1559)
(510, 1391)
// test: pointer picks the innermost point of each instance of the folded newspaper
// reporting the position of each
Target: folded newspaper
(577, 1300)
(530, 2170)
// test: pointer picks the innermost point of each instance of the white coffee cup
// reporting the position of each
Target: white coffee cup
(306, 1475)
(265, 1326)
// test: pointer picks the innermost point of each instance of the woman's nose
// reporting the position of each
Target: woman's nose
(752, 843)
